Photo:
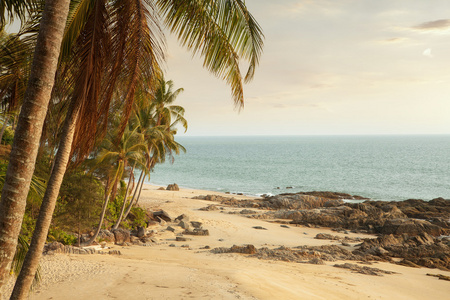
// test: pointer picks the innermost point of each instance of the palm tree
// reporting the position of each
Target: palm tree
(129, 31)
(29, 128)
(154, 118)
(119, 156)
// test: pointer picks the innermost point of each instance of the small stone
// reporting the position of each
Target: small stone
(259, 227)
(285, 226)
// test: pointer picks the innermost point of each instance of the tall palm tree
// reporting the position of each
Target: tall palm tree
(203, 27)
(119, 156)
(29, 128)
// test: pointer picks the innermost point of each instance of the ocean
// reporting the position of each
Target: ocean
(378, 167)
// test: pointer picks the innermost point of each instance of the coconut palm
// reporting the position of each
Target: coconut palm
(128, 32)
(119, 156)
(29, 128)
(154, 119)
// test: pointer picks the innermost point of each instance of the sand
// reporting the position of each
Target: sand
(185, 271)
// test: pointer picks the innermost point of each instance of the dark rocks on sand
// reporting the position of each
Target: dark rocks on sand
(197, 231)
(121, 236)
(259, 227)
(211, 207)
(363, 269)
(162, 215)
(173, 187)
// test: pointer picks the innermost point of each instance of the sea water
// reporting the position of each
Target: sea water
(378, 167)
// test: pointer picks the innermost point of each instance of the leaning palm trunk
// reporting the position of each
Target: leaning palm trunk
(137, 192)
(119, 220)
(102, 217)
(31, 263)
(108, 191)
(29, 130)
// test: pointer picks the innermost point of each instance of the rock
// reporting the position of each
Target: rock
(161, 189)
(196, 224)
(248, 249)
(162, 215)
(316, 261)
(182, 217)
(196, 231)
(259, 227)
(211, 207)
(140, 232)
(173, 187)
(182, 239)
(326, 236)
(410, 227)
(170, 228)
(184, 225)
(285, 226)
(363, 270)
(121, 236)
(440, 276)
(105, 235)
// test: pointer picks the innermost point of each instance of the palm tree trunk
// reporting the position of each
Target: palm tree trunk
(124, 200)
(31, 263)
(140, 182)
(102, 216)
(29, 130)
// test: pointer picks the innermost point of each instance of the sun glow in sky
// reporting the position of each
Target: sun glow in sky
(331, 67)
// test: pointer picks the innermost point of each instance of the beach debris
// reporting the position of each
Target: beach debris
(364, 269)
(173, 187)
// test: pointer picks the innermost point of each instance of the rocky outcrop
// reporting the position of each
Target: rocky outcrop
(121, 236)
(173, 187)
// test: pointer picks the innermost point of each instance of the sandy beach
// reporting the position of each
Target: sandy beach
(173, 269)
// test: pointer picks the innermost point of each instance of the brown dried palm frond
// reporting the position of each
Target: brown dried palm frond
(120, 44)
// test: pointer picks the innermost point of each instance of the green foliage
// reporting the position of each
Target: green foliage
(28, 225)
(137, 217)
(80, 202)
(8, 136)
(59, 235)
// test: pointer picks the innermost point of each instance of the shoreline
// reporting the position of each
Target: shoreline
(172, 269)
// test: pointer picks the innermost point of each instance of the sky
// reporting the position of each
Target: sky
(330, 67)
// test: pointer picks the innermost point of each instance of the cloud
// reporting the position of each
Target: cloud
(427, 53)
(433, 25)
(394, 40)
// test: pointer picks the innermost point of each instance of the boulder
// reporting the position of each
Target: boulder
(410, 227)
(182, 217)
(162, 215)
(173, 187)
(121, 236)
(140, 232)
(105, 235)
